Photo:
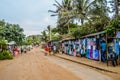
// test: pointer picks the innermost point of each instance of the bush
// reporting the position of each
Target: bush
(5, 55)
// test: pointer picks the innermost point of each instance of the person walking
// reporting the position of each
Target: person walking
(21, 49)
(112, 55)
(103, 50)
(54, 49)
(15, 50)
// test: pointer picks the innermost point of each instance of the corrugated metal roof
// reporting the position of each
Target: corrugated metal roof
(94, 34)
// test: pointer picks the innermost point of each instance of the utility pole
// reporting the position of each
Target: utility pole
(50, 33)
(49, 30)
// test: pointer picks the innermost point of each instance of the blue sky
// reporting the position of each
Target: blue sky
(31, 15)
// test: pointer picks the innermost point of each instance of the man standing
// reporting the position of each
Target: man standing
(54, 48)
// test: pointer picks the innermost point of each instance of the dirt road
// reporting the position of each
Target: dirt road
(35, 66)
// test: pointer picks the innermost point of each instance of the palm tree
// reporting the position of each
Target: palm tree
(99, 14)
(44, 36)
(49, 31)
(81, 10)
(63, 12)
(115, 4)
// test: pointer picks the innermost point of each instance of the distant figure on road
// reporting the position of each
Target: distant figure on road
(25, 49)
(103, 50)
(46, 50)
(21, 49)
(54, 48)
(15, 50)
(49, 48)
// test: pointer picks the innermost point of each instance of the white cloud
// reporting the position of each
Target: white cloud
(31, 32)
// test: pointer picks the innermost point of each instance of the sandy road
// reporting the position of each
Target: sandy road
(33, 66)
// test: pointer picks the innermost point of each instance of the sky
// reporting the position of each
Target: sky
(31, 15)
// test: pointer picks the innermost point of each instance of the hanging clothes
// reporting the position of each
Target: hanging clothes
(88, 48)
(91, 52)
(116, 47)
(103, 51)
(87, 53)
(96, 54)
(97, 43)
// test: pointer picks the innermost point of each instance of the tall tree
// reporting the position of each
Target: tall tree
(11, 32)
(63, 11)
(115, 5)
(44, 36)
(81, 9)
(99, 14)
(49, 31)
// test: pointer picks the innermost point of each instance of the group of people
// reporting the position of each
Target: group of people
(15, 49)
(49, 49)
(112, 54)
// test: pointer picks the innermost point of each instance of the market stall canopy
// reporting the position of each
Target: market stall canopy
(94, 34)
(12, 43)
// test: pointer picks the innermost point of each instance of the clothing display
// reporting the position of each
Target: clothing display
(116, 47)
(93, 48)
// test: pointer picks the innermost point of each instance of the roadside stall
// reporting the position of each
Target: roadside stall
(93, 46)
(113, 49)
(11, 45)
(55, 45)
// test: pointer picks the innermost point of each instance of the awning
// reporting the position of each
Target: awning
(12, 43)
(95, 34)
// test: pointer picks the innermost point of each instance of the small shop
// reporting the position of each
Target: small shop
(93, 46)
(57, 43)
(11, 45)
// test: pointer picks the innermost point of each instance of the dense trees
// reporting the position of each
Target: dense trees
(44, 36)
(115, 7)
(11, 32)
(94, 16)
(33, 39)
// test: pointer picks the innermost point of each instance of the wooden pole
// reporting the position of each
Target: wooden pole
(119, 53)
(107, 48)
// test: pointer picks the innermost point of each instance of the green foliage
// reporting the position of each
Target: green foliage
(36, 39)
(29, 42)
(99, 23)
(76, 32)
(63, 29)
(54, 30)
(82, 30)
(56, 37)
(5, 55)
(115, 7)
(3, 44)
(110, 29)
(44, 36)
(93, 12)
(11, 32)
(113, 27)
(116, 23)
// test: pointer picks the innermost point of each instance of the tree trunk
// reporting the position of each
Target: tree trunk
(68, 28)
(50, 34)
(82, 21)
(116, 9)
